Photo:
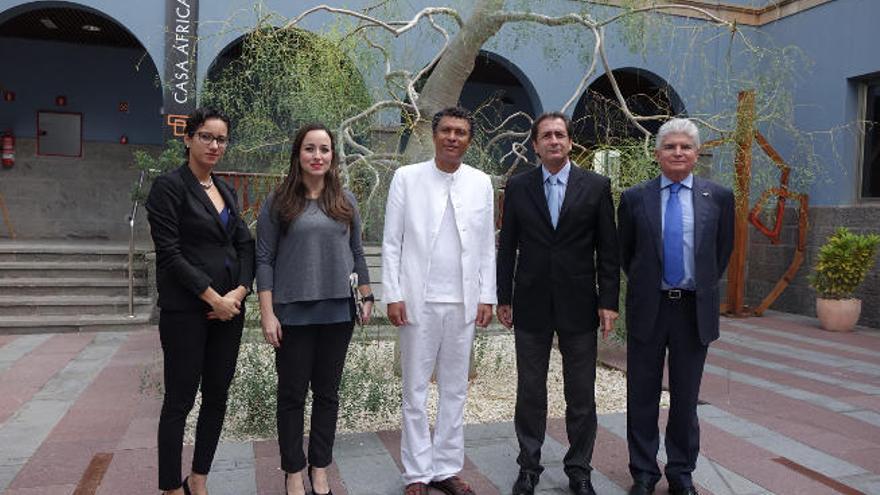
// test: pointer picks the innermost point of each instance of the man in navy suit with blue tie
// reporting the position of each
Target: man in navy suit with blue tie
(676, 236)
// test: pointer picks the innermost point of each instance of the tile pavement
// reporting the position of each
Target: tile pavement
(785, 408)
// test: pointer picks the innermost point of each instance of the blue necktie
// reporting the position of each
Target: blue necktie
(673, 239)
(553, 200)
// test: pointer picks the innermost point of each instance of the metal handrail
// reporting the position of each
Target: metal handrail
(131, 218)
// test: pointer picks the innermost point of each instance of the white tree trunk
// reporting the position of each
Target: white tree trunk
(443, 87)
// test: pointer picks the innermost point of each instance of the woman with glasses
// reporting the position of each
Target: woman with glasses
(204, 270)
(308, 246)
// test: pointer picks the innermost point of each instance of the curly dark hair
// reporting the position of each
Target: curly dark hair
(290, 195)
(198, 117)
(458, 113)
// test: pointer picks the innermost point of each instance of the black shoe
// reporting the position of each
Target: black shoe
(525, 484)
(582, 486)
(683, 490)
(185, 486)
(315, 492)
(640, 489)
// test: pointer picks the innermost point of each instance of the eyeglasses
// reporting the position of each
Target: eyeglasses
(207, 138)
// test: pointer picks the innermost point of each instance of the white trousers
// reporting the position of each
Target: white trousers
(439, 338)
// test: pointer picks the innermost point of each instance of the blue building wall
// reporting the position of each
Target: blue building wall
(840, 38)
(836, 36)
(93, 79)
(145, 20)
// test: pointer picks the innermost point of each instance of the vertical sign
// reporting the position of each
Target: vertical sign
(181, 20)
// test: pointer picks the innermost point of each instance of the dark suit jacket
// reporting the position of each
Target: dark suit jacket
(641, 246)
(194, 249)
(557, 270)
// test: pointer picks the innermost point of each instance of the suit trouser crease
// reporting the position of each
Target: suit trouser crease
(309, 356)
(440, 339)
(676, 331)
(578, 350)
(198, 353)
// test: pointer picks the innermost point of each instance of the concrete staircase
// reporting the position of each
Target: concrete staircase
(70, 286)
(373, 257)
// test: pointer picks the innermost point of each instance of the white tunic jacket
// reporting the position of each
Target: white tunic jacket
(416, 202)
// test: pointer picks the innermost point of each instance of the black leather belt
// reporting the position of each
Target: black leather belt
(675, 294)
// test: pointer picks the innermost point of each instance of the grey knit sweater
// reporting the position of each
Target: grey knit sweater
(314, 259)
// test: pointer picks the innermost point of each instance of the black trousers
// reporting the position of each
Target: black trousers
(196, 350)
(578, 349)
(675, 330)
(309, 355)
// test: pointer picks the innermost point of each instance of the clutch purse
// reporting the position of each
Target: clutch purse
(357, 306)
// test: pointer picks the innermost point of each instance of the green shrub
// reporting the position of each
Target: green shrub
(843, 263)
(252, 396)
(369, 387)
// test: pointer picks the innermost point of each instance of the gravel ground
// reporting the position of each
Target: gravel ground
(373, 385)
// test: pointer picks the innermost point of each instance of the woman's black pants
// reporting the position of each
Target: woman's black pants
(309, 355)
(195, 350)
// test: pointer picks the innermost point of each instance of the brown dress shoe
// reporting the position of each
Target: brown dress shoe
(453, 486)
(417, 488)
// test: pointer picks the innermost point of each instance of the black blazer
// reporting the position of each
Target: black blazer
(641, 246)
(557, 270)
(194, 249)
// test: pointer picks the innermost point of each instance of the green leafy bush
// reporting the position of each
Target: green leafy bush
(843, 263)
(369, 387)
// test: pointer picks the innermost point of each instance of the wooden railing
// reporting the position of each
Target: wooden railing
(251, 187)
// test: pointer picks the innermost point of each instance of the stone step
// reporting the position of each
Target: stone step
(52, 269)
(85, 286)
(17, 305)
(72, 250)
(65, 324)
(373, 255)
(31, 256)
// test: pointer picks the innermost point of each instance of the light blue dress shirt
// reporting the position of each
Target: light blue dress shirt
(686, 199)
(561, 182)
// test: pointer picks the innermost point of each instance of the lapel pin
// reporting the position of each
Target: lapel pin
(705, 194)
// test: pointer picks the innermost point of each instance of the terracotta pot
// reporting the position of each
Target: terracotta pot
(838, 315)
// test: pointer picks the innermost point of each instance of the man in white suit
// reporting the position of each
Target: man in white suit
(438, 277)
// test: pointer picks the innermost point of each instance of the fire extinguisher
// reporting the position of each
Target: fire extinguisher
(8, 149)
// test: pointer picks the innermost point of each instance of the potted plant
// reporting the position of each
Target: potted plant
(843, 262)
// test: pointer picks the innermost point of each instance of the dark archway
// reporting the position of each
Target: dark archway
(496, 90)
(85, 91)
(598, 119)
(100, 68)
(498, 77)
(270, 81)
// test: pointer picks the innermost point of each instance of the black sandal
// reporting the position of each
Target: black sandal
(315, 492)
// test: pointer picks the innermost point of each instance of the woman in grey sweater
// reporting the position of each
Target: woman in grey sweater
(308, 245)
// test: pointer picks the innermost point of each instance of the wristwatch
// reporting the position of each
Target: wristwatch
(368, 298)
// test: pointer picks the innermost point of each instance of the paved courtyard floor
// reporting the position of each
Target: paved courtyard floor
(786, 408)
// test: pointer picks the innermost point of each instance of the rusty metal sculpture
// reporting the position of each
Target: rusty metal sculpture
(782, 193)
(746, 134)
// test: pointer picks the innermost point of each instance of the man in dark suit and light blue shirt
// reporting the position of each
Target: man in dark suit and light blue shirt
(558, 243)
(676, 236)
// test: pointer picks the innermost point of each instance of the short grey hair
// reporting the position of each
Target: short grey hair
(678, 126)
